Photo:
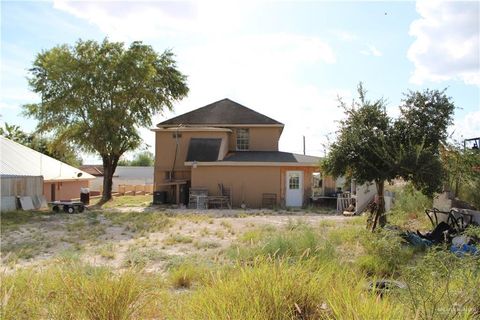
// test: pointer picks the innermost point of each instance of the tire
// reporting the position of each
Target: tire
(56, 209)
(81, 209)
(68, 209)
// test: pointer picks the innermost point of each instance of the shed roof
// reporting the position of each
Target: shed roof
(221, 112)
(18, 160)
(270, 156)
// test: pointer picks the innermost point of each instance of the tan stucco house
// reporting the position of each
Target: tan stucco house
(228, 144)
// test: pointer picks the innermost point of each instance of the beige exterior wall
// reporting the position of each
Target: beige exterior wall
(247, 184)
(64, 190)
(165, 145)
(261, 138)
(307, 181)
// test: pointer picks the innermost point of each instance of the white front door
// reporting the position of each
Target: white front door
(294, 189)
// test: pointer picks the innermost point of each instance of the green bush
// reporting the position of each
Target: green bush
(385, 253)
(410, 204)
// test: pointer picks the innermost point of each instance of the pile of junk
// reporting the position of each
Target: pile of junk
(449, 228)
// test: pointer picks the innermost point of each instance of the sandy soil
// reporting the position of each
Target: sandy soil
(99, 241)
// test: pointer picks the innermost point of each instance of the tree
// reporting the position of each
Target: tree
(59, 150)
(141, 159)
(462, 166)
(97, 95)
(372, 147)
(14, 133)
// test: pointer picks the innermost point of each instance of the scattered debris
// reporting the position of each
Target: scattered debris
(383, 286)
(449, 228)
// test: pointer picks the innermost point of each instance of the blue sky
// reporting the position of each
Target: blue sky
(288, 60)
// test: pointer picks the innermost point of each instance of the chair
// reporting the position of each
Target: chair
(269, 200)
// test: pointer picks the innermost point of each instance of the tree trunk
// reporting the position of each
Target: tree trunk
(380, 217)
(109, 166)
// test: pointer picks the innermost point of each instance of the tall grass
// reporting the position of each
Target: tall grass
(409, 208)
(73, 291)
(140, 221)
(278, 289)
(296, 241)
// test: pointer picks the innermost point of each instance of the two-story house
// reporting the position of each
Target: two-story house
(229, 144)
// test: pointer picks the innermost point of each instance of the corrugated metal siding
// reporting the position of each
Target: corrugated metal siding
(19, 160)
(21, 186)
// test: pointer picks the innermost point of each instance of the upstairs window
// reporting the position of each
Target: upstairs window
(242, 139)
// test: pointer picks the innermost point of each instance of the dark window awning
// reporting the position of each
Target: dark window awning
(203, 149)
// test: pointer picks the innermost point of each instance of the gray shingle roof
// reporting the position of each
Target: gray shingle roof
(224, 111)
(271, 156)
(203, 149)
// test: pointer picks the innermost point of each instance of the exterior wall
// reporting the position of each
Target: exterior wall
(126, 175)
(64, 190)
(329, 185)
(261, 138)
(165, 145)
(364, 194)
(307, 181)
(247, 184)
(21, 186)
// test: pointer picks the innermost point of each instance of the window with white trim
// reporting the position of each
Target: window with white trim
(294, 181)
(242, 139)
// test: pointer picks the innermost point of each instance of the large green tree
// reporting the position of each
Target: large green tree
(97, 95)
(373, 147)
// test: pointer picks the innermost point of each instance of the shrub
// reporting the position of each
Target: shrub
(188, 273)
(410, 204)
(385, 253)
(444, 286)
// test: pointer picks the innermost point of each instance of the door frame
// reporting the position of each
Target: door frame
(287, 188)
(52, 191)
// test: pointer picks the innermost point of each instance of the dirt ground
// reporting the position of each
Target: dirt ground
(137, 236)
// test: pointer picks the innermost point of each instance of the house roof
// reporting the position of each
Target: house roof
(93, 169)
(270, 156)
(203, 149)
(18, 160)
(222, 112)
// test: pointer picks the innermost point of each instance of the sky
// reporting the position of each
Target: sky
(288, 60)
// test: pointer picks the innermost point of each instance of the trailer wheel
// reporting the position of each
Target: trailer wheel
(81, 209)
(56, 209)
(68, 209)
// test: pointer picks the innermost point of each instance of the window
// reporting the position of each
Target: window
(317, 180)
(294, 181)
(242, 139)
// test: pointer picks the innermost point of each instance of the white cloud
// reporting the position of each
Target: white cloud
(130, 20)
(343, 35)
(371, 51)
(260, 71)
(447, 42)
(467, 127)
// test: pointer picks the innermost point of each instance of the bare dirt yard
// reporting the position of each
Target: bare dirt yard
(127, 236)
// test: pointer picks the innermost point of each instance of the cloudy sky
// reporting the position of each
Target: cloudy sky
(288, 60)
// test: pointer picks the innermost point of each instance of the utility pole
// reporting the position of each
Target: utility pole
(303, 145)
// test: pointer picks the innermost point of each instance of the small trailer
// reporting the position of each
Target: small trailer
(67, 206)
